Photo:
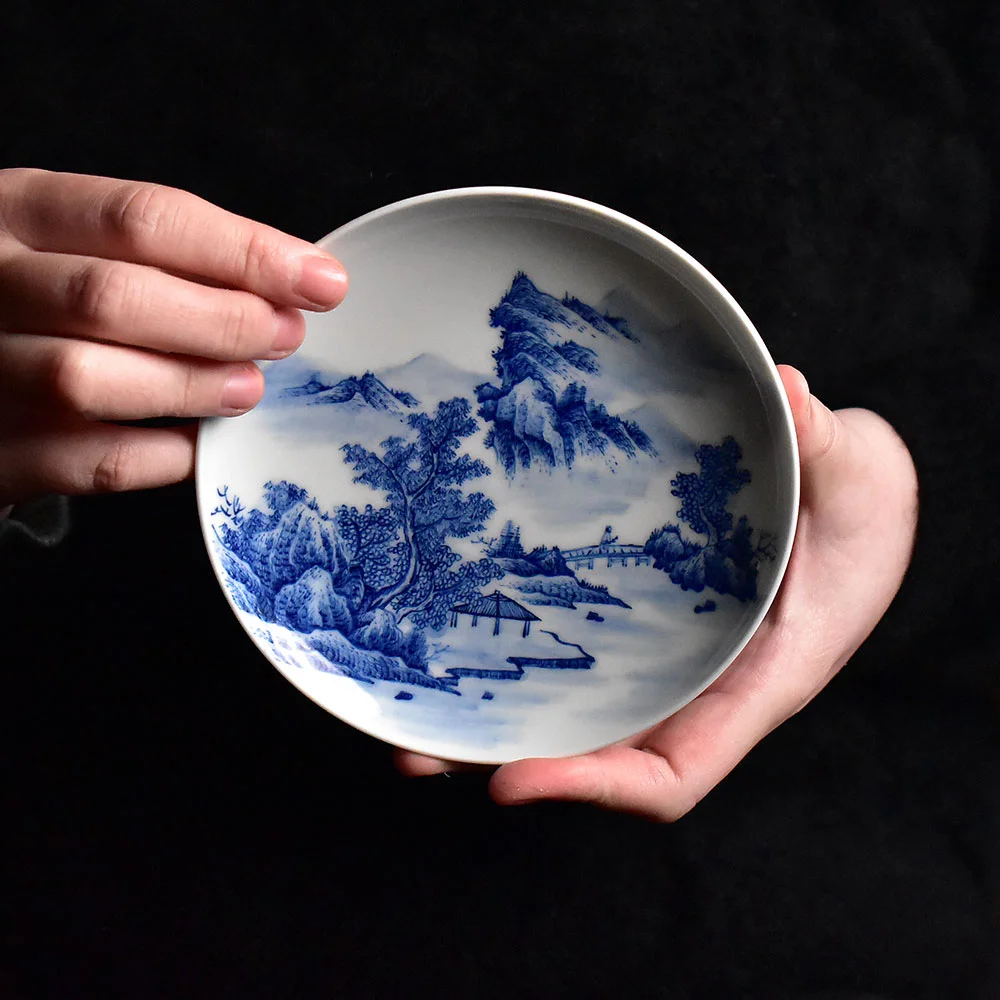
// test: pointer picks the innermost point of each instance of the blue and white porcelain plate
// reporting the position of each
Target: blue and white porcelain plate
(526, 492)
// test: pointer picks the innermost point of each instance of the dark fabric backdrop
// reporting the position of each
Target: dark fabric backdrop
(182, 822)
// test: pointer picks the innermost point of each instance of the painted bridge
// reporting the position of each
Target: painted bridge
(616, 553)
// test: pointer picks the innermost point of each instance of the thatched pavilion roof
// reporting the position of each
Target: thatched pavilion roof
(496, 605)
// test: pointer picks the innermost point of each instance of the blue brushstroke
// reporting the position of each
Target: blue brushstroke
(362, 586)
(546, 576)
(729, 559)
(542, 412)
(367, 389)
(494, 673)
(553, 663)
(572, 645)
(583, 662)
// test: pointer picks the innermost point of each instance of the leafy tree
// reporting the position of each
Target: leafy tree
(406, 564)
(349, 582)
(728, 561)
(705, 495)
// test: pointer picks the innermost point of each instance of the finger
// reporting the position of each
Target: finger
(620, 777)
(132, 304)
(168, 229)
(107, 382)
(416, 765)
(76, 457)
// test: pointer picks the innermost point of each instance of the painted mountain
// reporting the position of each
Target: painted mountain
(367, 389)
(543, 412)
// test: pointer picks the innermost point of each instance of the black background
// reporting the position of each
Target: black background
(182, 822)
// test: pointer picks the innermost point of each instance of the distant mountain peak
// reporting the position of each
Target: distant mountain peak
(543, 412)
(526, 307)
(312, 386)
(367, 388)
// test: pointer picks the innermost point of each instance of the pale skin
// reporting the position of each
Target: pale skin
(123, 301)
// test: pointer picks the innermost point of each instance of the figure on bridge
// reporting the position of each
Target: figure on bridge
(608, 538)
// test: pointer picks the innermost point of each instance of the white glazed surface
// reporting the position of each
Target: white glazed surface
(425, 274)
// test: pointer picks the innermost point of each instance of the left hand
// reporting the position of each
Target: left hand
(122, 301)
(857, 521)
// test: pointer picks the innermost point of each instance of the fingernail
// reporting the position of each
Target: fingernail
(323, 282)
(242, 390)
(291, 330)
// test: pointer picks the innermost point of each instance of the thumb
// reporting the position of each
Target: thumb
(816, 427)
(856, 473)
(829, 459)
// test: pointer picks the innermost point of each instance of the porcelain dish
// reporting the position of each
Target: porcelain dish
(529, 490)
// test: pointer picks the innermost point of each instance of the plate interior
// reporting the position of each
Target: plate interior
(528, 490)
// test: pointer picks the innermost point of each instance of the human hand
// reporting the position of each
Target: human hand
(857, 520)
(121, 301)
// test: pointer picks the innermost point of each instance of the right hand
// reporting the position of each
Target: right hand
(121, 301)
(853, 542)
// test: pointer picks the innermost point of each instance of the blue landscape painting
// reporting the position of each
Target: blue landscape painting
(368, 390)
(728, 558)
(542, 411)
(412, 589)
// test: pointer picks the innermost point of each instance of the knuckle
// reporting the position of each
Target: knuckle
(189, 392)
(99, 293)
(139, 213)
(74, 378)
(113, 472)
(258, 257)
(240, 329)
(831, 437)
(672, 795)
